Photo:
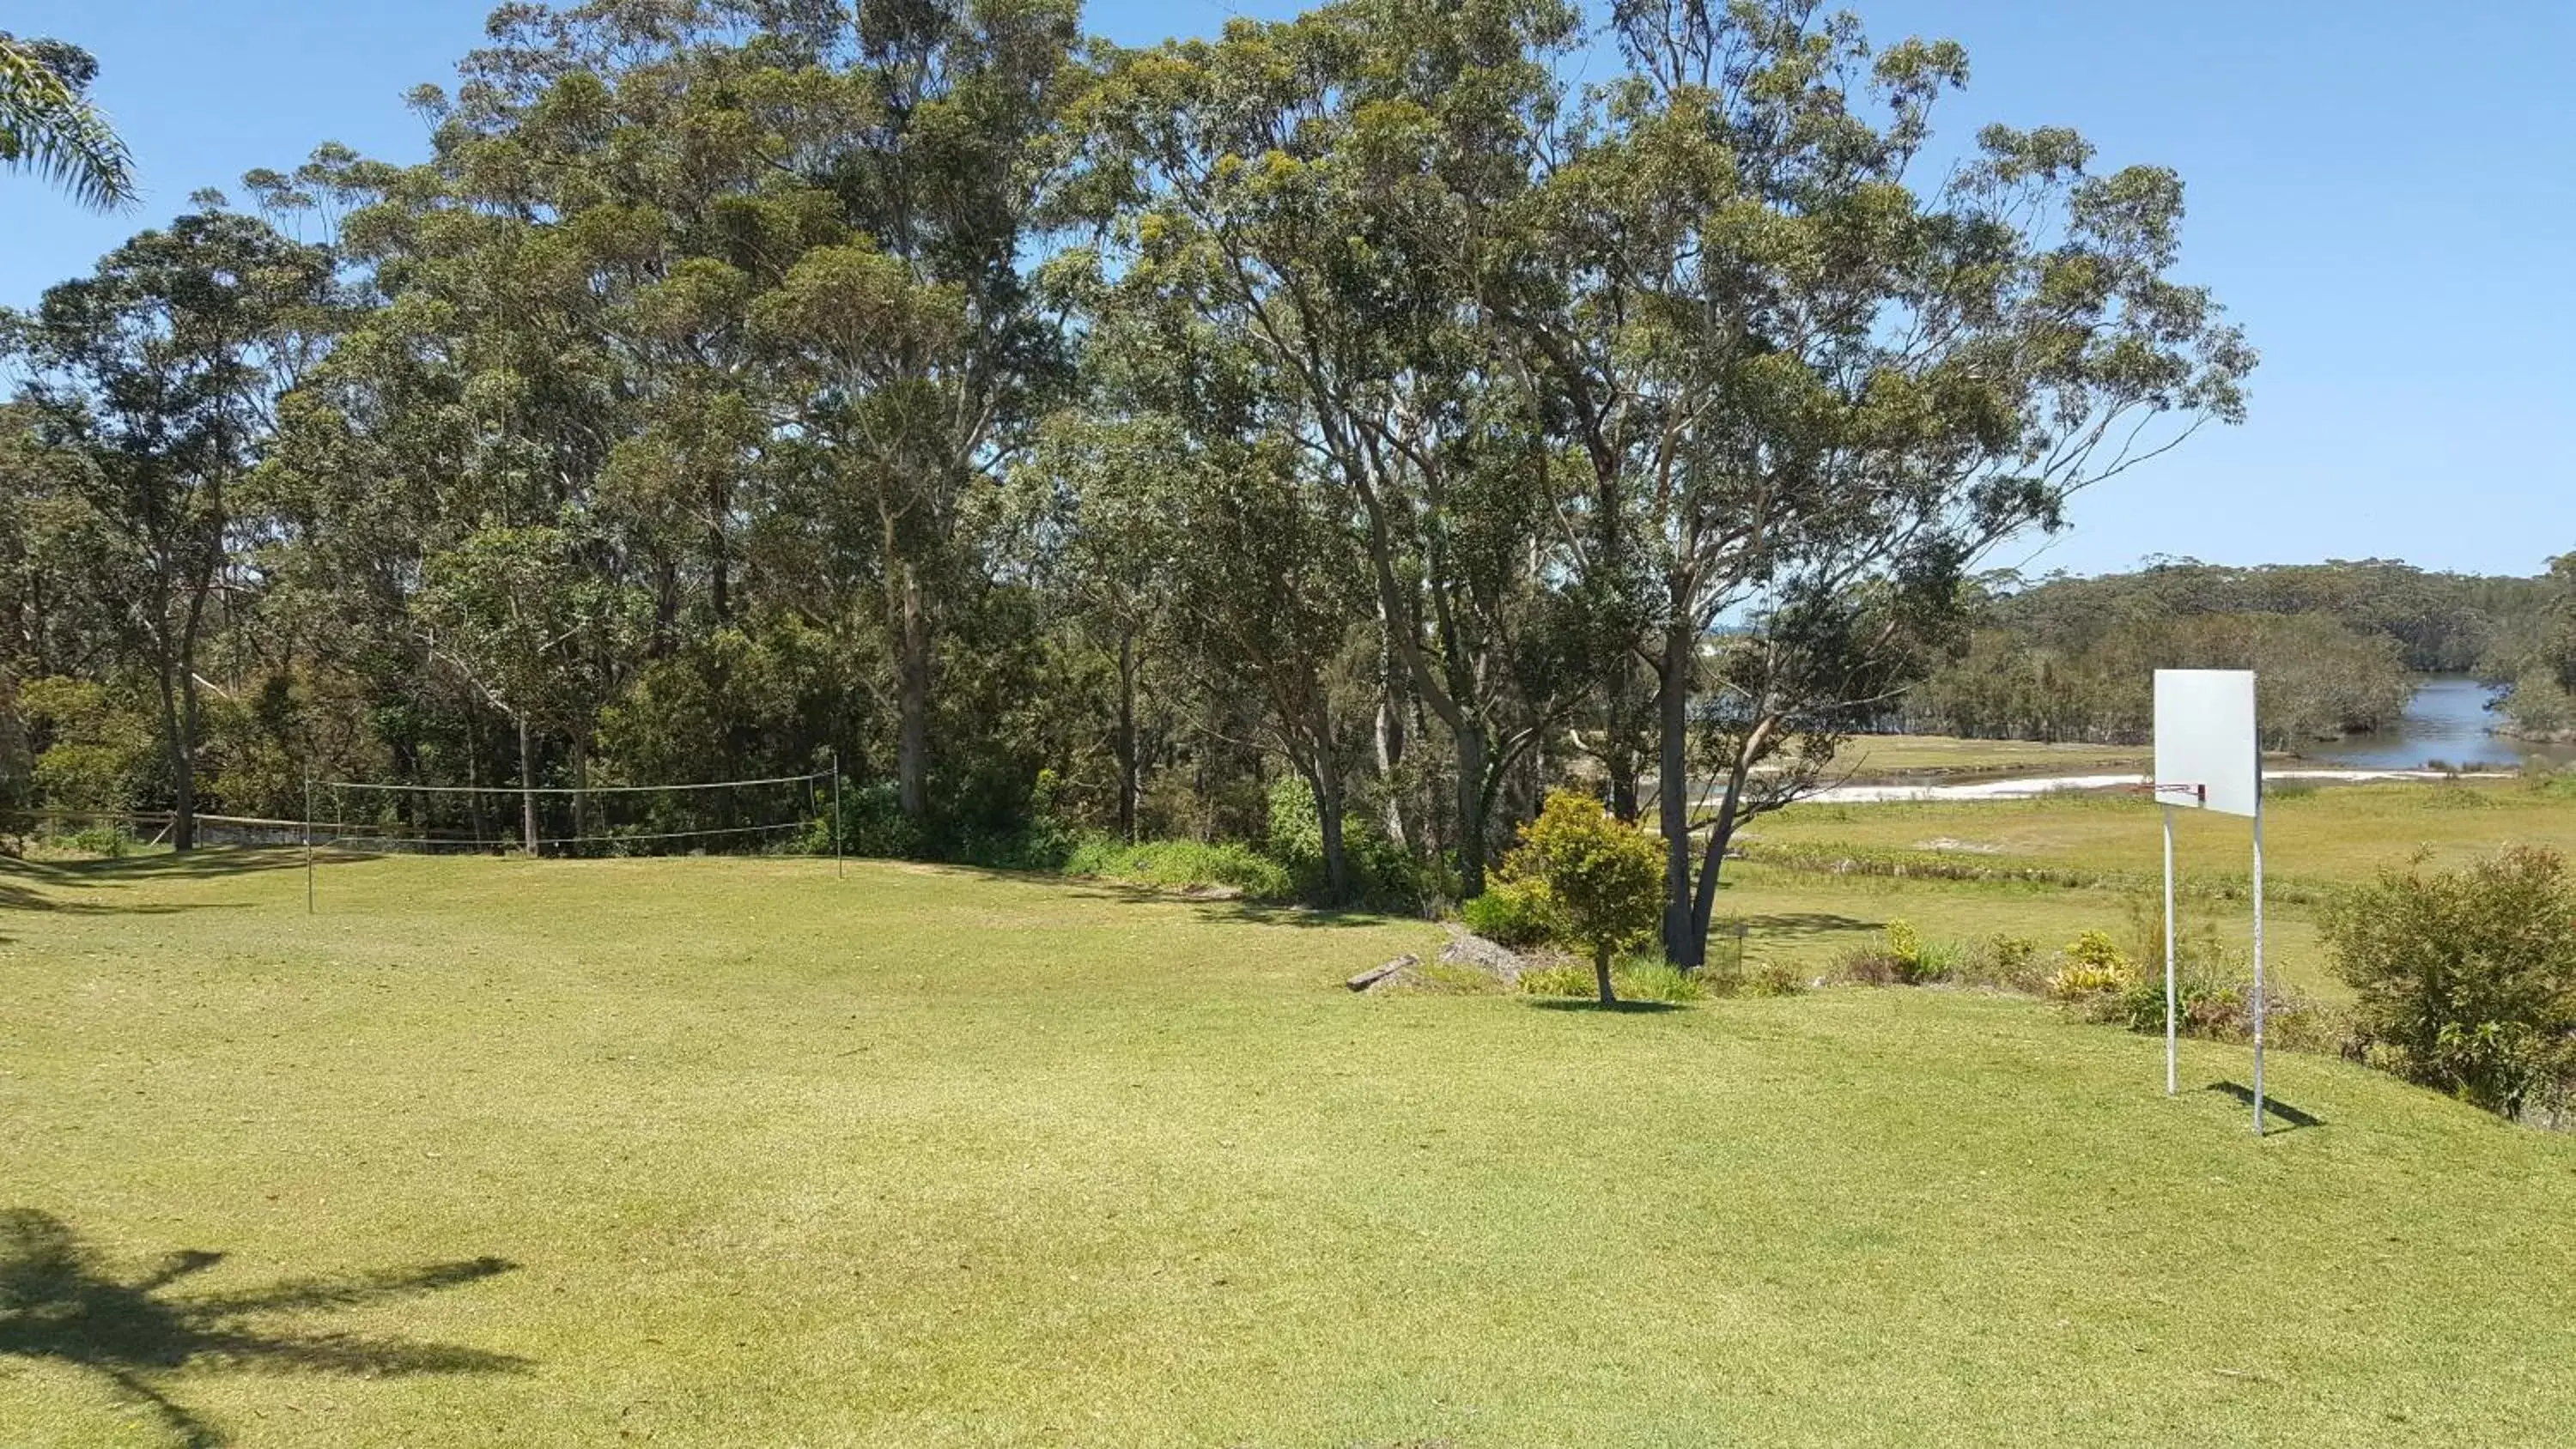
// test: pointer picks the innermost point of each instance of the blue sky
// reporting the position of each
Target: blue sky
(2382, 193)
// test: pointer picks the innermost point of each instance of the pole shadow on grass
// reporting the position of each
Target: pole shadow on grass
(60, 1302)
(2272, 1106)
(1622, 1008)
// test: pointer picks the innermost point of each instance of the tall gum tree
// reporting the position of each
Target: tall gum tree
(154, 380)
(1311, 187)
(1810, 392)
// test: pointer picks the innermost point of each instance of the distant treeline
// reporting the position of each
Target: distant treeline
(2072, 658)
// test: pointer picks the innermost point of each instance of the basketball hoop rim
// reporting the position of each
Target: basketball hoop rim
(2197, 792)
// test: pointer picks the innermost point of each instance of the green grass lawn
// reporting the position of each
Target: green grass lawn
(733, 1152)
(2315, 838)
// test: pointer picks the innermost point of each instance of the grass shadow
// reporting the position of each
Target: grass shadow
(1804, 922)
(1223, 909)
(59, 1301)
(2272, 1106)
(91, 887)
(1622, 1008)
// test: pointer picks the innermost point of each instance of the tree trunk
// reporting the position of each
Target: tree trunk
(1673, 796)
(473, 778)
(1472, 808)
(528, 786)
(1390, 734)
(1127, 733)
(1601, 975)
(912, 684)
(580, 789)
(1721, 832)
(183, 767)
(719, 557)
(1619, 739)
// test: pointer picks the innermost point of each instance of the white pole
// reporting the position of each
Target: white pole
(2170, 1010)
(2258, 950)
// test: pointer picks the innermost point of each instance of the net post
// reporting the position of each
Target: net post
(2171, 1085)
(308, 842)
(837, 865)
(2258, 952)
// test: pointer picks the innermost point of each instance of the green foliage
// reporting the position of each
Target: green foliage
(49, 125)
(2468, 976)
(1295, 831)
(110, 841)
(2092, 964)
(96, 749)
(1185, 865)
(1602, 881)
(1517, 913)
(873, 824)
(2021, 679)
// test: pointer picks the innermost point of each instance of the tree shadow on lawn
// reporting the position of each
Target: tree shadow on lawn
(1223, 909)
(60, 1302)
(1621, 1008)
(1776, 925)
(2272, 1106)
(29, 885)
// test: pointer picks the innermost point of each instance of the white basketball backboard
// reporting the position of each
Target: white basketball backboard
(2205, 737)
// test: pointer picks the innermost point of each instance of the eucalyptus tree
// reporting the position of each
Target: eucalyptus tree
(1811, 390)
(914, 352)
(153, 383)
(1311, 187)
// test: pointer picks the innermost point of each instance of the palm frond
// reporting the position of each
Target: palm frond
(48, 127)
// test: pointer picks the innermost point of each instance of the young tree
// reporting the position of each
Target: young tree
(1602, 880)
(154, 382)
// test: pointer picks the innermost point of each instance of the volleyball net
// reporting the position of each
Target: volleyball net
(778, 814)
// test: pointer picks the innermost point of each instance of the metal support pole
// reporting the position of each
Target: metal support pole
(308, 844)
(2258, 953)
(837, 867)
(2170, 998)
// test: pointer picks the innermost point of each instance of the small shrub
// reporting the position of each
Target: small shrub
(2092, 964)
(2556, 785)
(1514, 913)
(1294, 833)
(1181, 865)
(2009, 962)
(1872, 965)
(873, 825)
(110, 841)
(2468, 977)
(1773, 978)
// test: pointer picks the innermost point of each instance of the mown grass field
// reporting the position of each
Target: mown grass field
(733, 1152)
(2317, 840)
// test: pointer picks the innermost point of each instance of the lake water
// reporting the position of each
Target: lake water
(2447, 720)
